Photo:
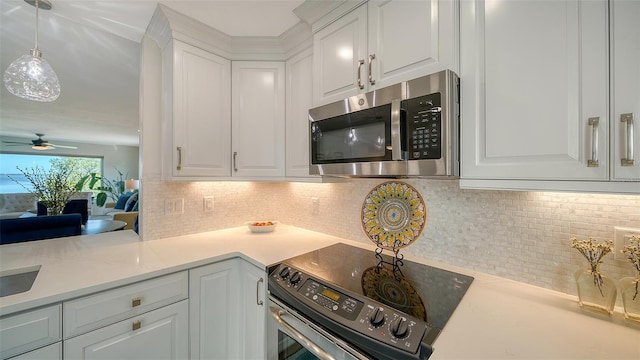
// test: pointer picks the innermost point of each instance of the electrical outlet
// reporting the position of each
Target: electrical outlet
(208, 203)
(315, 206)
(621, 237)
(174, 206)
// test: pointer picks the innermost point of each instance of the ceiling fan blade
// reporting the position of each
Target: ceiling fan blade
(16, 142)
(61, 146)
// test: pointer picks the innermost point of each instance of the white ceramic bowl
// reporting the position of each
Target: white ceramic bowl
(262, 226)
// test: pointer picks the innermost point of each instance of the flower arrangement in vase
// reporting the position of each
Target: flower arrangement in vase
(596, 292)
(629, 286)
(53, 187)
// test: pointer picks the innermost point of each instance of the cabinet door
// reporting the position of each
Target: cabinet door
(408, 39)
(258, 119)
(625, 88)
(254, 297)
(201, 112)
(299, 100)
(30, 330)
(214, 320)
(158, 334)
(533, 75)
(339, 53)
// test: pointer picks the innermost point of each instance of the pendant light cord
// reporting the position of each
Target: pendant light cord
(37, 6)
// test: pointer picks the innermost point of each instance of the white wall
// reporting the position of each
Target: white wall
(124, 158)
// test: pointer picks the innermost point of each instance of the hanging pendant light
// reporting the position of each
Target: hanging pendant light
(30, 76)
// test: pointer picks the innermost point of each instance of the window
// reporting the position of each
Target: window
(13, 181)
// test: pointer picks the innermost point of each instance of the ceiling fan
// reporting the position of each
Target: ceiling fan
(39, 144)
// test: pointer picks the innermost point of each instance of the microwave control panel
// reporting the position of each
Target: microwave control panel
(424, 127)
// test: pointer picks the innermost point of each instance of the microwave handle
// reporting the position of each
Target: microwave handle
(396, 131)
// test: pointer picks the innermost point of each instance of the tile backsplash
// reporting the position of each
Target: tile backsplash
(518, 235)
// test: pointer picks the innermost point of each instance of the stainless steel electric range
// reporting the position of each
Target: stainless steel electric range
(344, 302)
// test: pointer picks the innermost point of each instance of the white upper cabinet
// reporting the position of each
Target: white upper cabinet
(339, 51)
(381, 43)
(197, 137)
(535, 96)
(299, 70)
(408, 39)
(258, 119)
(625, 88)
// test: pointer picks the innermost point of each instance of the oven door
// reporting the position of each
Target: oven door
(290, 336)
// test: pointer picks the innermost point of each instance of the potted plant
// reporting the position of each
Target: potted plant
(107, 189)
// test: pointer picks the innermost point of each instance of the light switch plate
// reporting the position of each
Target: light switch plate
(208, 203)
(621, 237)
(174, 206)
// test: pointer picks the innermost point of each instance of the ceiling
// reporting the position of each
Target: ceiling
(93, 46)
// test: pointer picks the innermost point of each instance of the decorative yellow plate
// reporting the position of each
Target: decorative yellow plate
(393, 215)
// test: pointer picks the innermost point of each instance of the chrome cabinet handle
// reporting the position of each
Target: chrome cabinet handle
(136, 325)
(235, 155)
(136, 302)
(258, 301)
(360, 84)
(628, 118)
(593, 122)
(371, 81)
(179, 167)
(305, 341)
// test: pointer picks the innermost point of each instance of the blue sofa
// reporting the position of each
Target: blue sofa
(39, 228)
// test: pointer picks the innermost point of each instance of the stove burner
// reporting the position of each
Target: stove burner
(393, 289)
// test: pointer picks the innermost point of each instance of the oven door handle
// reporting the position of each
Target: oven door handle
(291, 331)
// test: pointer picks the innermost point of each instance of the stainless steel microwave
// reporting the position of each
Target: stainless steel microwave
(406, 129)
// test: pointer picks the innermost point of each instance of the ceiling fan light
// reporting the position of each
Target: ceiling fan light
(31, 77)
(40, 147)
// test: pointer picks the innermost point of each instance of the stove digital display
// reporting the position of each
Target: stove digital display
(331, 295)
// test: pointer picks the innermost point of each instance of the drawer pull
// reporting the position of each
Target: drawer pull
(628, 118)
(179, 167)
(594, 122)
(360, 84)
(135, 302)
(258, 301)
(136, 325)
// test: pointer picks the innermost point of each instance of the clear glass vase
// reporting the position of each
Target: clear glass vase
(596, 292)
(630, 292)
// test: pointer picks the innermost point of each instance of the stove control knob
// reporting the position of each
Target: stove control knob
(399, 327)
(295, 278)
(377, 317)
(284, 272)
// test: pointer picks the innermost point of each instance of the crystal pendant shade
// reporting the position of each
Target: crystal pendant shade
(32, 78)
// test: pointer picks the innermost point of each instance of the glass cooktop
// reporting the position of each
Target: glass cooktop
(423, 291)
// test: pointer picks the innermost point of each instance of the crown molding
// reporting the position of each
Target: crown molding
(167, 24)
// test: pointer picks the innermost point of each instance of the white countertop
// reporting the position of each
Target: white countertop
(497, 318)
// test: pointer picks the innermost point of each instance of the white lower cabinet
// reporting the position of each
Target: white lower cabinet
(29, 330)
(158, 334)
(226, 311)
(144, 320)
(51, 352)
(253, 299)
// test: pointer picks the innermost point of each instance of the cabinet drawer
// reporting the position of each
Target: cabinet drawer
(51, 352)
(159, 334)
(107, 307)
(30, 330)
